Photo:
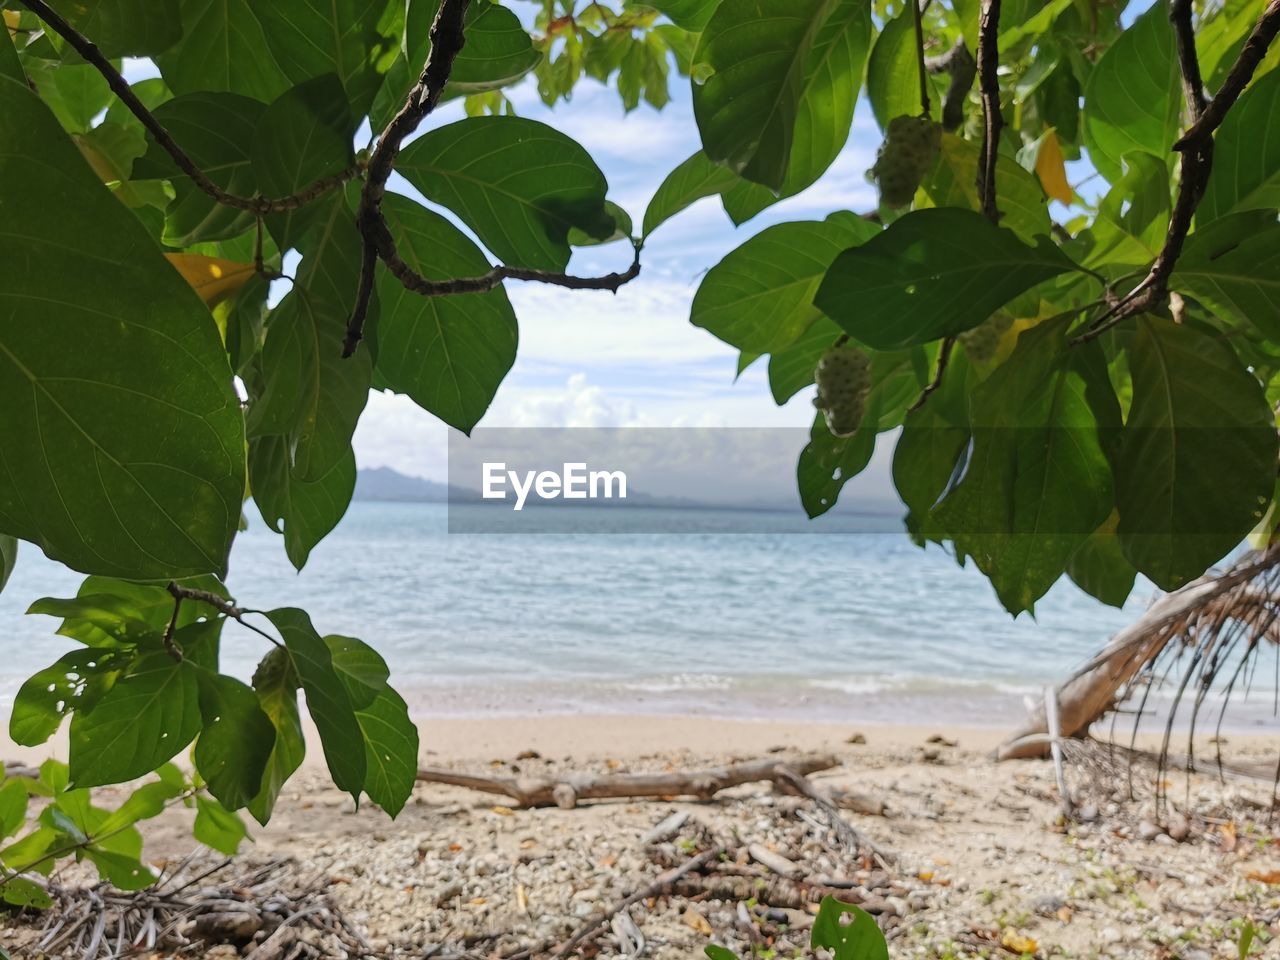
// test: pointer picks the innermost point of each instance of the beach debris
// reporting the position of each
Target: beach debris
(857, 739)
(566, 791)
(774, 861)
(666, 828)
(942, 741)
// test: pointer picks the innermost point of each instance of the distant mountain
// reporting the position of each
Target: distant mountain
(383, 483)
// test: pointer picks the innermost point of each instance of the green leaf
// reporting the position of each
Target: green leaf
(148, 801)
(217, 827)
(125, 28)
(1197, 459)
(361, 669)
(1099, 567)
(498, 51)
(1038, 481)
(791, 368)
(305, 511)
(931, 274)
(759, 298)
(391, 750)
(859, 939)
(1232, 266)
(688, 183)
(928, 451)
(223, 49)
(1134, 215)
(312, 394)
(235, 742)
(327, 699)
(13, 807)
(303, 136)
(349, 38)
(1246, 166)
(150, 714)
(109, 613)
(746, 110)
(691, 15)
(123, 871)
(30, 852)
(519, 184)
(217, 130)
(75, 93)
(123, 445)
(276, 684)
(23, 893)
(954, 183)
(76, 681)
(832, 73)
(448, 354)
(893, 76)
(1133, 100)
(8, 558)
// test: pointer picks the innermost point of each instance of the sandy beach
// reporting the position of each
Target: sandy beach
(978, 860)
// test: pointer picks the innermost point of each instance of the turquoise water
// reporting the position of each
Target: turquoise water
(820, 627)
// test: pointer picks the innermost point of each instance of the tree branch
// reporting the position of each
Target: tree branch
(447, 40)
(1255, 48)
(918, 22)
(944, 356)
(224, 606)
(992, 118)
(120, 87)
(378, 243)
(1196, 149)
(959, 63)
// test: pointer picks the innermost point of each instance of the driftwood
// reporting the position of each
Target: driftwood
(568, 790)
(1095, 689)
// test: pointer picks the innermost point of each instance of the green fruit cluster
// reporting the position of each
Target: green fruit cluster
(983, 341)
(910, 147)
(843, 376)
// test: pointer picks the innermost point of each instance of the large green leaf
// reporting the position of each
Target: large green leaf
(449, 354)
(747, 108)
(124, 443)
(76, 93)
(1197, 460)
(931, 274)
(893, 75)
(1099, 567)
(263, 49)
(498, 51)
(327, 699)
(223, 48)
(688, 183)
(311, 395)
(1133, 100)
(235, 742)
(832, 77)
(305, 511)
(125, 28)
(391, 750)
(150, 714)
(759, 298)
(303, 136)
(929, 450)
(276, 684)
(1134, 215)
(218, 130)
(791, 368)
(361, 669)
(858, 939)
(1246, 155)
(217, 827)
(691, 15)
(75, 682)
(954, 183)
(1232, 266)
(519, 184)
(1038, 482)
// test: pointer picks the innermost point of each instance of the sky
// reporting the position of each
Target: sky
(591, 358)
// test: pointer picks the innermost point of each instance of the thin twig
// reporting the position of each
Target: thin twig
(959, 63)
(1196, 149)
(377, 241)
(224, 606)
(120, 87)
(1255, 48)
(992, 118)
(171, 646)
(944, 355)
(918, 23)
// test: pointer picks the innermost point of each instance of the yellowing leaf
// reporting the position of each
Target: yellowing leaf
(11, 20)
(1052, 169)
(1264, 876)
(212, 278)
(1017, 943)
